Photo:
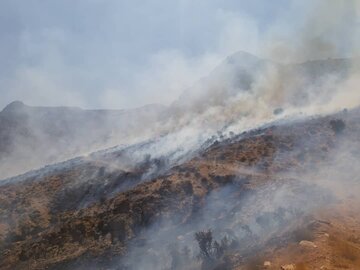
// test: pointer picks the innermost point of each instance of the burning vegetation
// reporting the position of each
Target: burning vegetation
(245, 202)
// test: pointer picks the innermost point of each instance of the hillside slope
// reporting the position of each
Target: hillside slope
(265, 190)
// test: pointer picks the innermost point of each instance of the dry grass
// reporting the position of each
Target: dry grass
(345, 250)
(301, 266)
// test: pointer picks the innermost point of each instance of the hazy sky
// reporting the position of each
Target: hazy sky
(120, 54)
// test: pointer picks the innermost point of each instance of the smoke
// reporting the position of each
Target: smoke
(32, 137)
(328, 30)
(242, 93)
(260, 210)
(123, 65)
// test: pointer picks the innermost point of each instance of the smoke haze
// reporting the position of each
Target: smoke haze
(215, 74)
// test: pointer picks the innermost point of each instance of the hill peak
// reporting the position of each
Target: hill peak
(14, 106)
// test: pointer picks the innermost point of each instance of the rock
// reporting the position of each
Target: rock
(267, 264)
(288, 267)
(307, 244)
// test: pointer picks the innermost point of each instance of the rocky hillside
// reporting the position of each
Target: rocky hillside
(276, 197)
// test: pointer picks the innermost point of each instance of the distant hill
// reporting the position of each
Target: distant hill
(32, 137)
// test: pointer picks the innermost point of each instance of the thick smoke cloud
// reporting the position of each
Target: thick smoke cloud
(117, 55)
(225, 98)
(242, 93)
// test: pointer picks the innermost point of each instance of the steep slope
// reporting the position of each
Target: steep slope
(264, 189)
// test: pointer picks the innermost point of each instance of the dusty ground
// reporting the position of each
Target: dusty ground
(329, 240)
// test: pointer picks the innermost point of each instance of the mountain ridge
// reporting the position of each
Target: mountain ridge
(51, 134)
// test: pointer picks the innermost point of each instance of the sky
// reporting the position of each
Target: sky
(123, 54)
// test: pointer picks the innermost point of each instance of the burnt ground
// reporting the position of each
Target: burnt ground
(57, 222)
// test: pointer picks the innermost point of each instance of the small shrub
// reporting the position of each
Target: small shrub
(337, 125)
(212, 253)
(205, 242)
(278, 111)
